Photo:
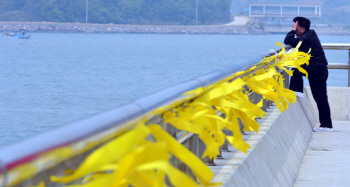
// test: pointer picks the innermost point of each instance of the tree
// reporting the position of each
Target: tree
(170, 12)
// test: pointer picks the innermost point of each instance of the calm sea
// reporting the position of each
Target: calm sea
(53, 79)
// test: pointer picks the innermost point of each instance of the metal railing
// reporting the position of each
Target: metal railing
(84, 136)
(337, 46)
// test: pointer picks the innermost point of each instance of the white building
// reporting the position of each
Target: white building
(282, 13)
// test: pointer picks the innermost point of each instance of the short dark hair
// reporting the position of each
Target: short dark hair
(303, 22)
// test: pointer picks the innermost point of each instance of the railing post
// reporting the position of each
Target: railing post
(179, 164)
(210, 162)
(225, 146)
(349, 70)
(286, 79)
(200, 151)
(220, 153)
(192, 145)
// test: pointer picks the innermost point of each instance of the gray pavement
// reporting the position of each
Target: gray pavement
(327, 159)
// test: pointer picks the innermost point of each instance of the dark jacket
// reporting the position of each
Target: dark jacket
(310, 40)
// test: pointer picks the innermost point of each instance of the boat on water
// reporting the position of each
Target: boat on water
(17, 35)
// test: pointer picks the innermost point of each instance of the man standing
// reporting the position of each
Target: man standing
(317, 70)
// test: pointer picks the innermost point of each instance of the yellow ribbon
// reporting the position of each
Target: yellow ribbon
(133, 159)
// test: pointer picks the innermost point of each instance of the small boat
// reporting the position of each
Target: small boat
(17, 35)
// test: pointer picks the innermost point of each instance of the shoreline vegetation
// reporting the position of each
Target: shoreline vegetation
(49, 27)
(52, 27)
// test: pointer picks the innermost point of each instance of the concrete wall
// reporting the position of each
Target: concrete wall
(277, 150)
(339, 102)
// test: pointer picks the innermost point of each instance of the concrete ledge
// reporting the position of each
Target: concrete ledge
(339, 102)
(277, 150)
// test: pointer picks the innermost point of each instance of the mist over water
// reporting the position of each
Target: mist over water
(53, 79)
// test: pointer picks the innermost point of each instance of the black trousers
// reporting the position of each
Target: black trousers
(318, 83)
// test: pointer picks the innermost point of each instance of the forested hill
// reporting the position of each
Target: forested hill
(153, 12)
(165, 12)
(333, 11)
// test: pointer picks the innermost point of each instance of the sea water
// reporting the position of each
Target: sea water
(56, 78)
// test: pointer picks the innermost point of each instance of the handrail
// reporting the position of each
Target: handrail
(335, 46)
(23, 151)
(12, 152)
(339, 46)
(338, 66)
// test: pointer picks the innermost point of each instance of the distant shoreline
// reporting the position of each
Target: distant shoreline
(49, 27)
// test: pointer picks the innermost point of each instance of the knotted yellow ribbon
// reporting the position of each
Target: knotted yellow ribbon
(133, 159)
